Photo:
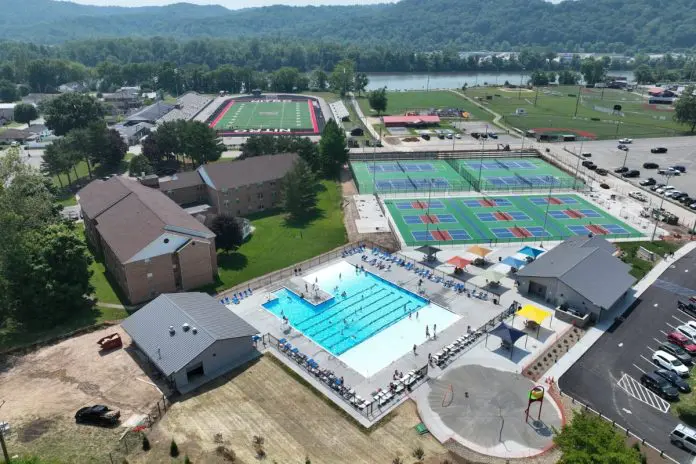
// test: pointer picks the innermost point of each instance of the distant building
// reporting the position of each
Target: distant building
(191, 338)
(134, 133)
(149, 244)
(16, 135)
(124, 99)
(411, 121)
(73, 87)
(149, 114)
(7, 111)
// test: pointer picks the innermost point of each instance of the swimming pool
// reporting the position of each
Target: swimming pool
(362, 305)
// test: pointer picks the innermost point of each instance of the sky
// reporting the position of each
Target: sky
(232, 4)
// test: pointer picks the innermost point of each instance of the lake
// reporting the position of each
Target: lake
(421, 81)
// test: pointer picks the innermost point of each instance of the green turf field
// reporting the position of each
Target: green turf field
(285, 115)
(399, 103)
(407, 176)
(555, 110)
(513, 174)
(502, 219)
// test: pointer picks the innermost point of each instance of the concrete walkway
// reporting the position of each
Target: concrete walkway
(362, 117)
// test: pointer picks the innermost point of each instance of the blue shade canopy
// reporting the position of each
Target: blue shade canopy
(531, 251)
(514, 262)
(507, 333)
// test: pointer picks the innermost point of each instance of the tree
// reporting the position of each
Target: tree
(589, 439)
(72, 111)
(333, 153)
(173, 449)
(200, 142)
(138, 165)
(378, 100)
(643, 74)
(343, 77)
(539, 78)
(228, 232)
(593, 71)
(8, 92)
(285, 79)
(319, 79)
(146, 443)
(361, 81)
(567, 77)
(25, 113)
(59, 157)
(685, 108)
(299, 190)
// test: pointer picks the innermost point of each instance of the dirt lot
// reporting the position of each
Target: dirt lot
(264, 400)
(42, 391)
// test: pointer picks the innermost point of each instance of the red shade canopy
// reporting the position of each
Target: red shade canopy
(459, 262)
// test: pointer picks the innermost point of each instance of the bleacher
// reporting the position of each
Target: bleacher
(189, 105)
(339, 110)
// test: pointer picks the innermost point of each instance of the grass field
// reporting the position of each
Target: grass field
(555, 110)
(273, 115)
(276, 244)
(402, 102)
(502, 219)
(640, 267)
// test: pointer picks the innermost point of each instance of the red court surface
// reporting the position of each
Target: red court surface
(487, 203)
(595, 229)
(501, 216)
(419, 205)
(429, 219)
(520, 232)
(554, 201)
(574, 214)
(441, 235)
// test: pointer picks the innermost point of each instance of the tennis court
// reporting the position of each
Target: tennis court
(513, 174)
(502, 219)
(407, 176)
(295, 116)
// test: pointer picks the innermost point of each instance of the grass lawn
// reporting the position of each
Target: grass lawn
(640, 267)
(275, 244)
(555, 108)
(401, 102)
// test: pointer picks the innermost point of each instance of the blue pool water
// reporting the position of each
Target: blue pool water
(370, 305)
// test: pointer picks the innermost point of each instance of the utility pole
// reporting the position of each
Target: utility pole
(577, 101)
(536, 96)
(577, 168)
(659, 213)
(625, 158)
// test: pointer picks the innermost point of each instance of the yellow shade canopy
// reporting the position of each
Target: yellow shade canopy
(533, 313)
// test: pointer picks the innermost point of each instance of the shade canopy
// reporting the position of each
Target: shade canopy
(458, 261)
(531, 251)
(507, 333)
(533, 313)
(514, 262)
(479, 250)
(428, 249)
(493, 276)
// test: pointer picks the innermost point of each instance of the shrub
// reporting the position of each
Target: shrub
(397, 460)
(418, 453)
(146, 443)
(687, 413)
(173, 449)
(187, 460)
(226, 453)
(307, 460)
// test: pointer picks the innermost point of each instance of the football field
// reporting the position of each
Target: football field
(264, 115)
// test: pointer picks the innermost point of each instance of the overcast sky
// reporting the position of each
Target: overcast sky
(232, 4)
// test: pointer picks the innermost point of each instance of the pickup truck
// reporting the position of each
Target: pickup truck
(688, 307)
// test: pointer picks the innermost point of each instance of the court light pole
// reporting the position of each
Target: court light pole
(577, 167)
(662, 202)
(548, 204)
(427, 210)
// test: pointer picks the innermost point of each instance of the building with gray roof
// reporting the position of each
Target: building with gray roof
(191, 338)
(582, 273)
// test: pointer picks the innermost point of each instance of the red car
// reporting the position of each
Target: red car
(681, 340)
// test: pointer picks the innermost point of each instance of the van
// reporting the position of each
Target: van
(684, 437)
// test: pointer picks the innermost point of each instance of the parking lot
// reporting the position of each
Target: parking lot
(607, 377)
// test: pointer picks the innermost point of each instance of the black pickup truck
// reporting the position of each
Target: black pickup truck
(688, 307)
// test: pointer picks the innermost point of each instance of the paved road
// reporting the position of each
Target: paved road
(604, 378)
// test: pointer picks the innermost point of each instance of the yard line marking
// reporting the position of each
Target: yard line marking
(635, 389)
(682, 322)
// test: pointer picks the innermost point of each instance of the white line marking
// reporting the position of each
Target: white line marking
(682, 322)
(627, 411)
(667, 323)
(639, 369)
(634, 388)
(651, 349)
(651, 363)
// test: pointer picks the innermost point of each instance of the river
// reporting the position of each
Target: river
(422, 81)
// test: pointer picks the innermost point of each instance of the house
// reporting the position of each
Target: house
(191, 338)
(233, 188)
(411, 121)
(15, 135)
(581, 272)
(73, 87)
(149, 244)
(134, 133)
(7, 111)
(124, 99)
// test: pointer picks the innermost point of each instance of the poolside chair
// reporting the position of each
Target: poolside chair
(282, 341)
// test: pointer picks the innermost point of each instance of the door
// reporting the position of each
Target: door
(537, 289)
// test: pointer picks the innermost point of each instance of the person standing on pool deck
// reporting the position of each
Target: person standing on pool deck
(414, 349)
(427, 331)
(434, 330)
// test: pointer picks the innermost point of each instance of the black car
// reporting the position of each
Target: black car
(591, 167)
(622, 147)
(648, 181)
(650, 165)
(688, 307)
(679, 168)
(621, 169)
(425, 137)
(602, 172)
(680, 196)
(687, 200)
(674, 379)
(587, 163)
(97, 415)
(658, 150)
(631, 173)
(678, 352)
(659, 385)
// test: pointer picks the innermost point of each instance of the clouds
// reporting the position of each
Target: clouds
(232, 4)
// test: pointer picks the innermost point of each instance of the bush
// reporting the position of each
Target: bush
(418, 453)
(397, 460)
(187, 460)
(307, 460)
(173, 449)
(687, 413)
(226, 453)
(146, 443)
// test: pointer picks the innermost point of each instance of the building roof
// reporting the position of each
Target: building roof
(7, 106)
(150, 113)
(586, 265)
(137, 222)
(15, 134)
(410, 119)
(180, 180)
(248, 171)
(149, 328)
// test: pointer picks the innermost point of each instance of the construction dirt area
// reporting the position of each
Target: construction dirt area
(293, 421)
(42, 390)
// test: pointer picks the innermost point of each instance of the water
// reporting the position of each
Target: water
(421, 81)
(369, 306)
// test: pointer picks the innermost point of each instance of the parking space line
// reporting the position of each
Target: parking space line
(684, 313)
(663, 332)
(635, 389)
(639, 369)
(667, 323)
(648, 360)
(658, 341)
(680, 321)
(648, 347)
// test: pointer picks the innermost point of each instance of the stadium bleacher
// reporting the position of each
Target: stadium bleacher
(339, 110)
(189, 105)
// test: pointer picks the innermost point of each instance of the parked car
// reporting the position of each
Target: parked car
(457, 136)
(658, 150)
(692, 205)
(688, 331)
(622, 147)
(657, 186)
(668, 172)
(638, 196)
(663, 189)
(675, 380)
(660, 386)
(647, 182)
(587, 163)
(631, 173)
(493, 135)
(650, 165)
(587, 154)
(592, 167)
(607, 187)
(684, 437)
(672, 193)
(678, 167)
(601, 171)
(425, 136)
(625, 141)
(621, 170)
(682, 341)
(97, 415)
(688, 307)
(680, 196)
(678, 352)
(669, 362)
(687, 200)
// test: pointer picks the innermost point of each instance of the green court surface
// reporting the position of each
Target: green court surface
(407, 176)
(513, 174)
(240, 115)
(502, 219)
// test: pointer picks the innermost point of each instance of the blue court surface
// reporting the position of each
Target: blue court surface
(500, 181)
(435, 235)
(501, 164)
(555, 200)
(420, 204)
(396, 167)
(477, 203)
(515, 215)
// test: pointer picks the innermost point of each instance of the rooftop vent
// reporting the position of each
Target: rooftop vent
(166, 240)
(171, 330)
(194, 330)
(186, 327)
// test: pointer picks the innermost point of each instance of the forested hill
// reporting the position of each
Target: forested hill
(592, 25)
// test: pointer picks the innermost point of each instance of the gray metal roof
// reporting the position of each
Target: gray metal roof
(149, 328)
(238, 173)
(587, 267)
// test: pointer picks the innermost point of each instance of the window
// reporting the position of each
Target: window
(147, 260)
(237, 200)
(149, 275)
(259, 196)
(691, 440)
(226, 202)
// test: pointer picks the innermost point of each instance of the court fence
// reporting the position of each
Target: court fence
(513, 241)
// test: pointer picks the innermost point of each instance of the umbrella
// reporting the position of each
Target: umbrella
(459, 262)
(514, 262)
(479, 250)
(493, 275)
(531, 251)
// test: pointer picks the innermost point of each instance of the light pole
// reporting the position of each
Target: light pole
(625, 157)
(577, 168)
(519, 90)
(662, 202)
(548, 203)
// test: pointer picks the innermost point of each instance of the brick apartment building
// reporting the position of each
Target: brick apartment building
(234, 188)
(150, 245)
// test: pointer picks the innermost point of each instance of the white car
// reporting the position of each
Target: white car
(692, 324)
(669, 362)
(688, 331)
(457, 136)
(638, 196)
(662, 190)
(626, 141)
